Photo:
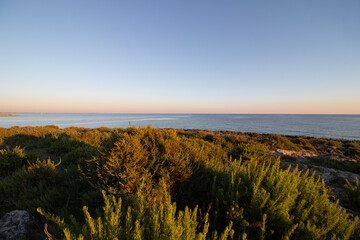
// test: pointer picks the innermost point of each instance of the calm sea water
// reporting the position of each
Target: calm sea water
(329, 126)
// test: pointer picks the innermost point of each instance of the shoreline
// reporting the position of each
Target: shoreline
(337, 127)
(8, 115)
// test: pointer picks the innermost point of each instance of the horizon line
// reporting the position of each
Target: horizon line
(180, 113)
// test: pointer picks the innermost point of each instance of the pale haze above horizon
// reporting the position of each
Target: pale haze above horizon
(286, 57)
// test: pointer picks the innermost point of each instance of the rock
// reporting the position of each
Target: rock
(15, 225)
(300, 156)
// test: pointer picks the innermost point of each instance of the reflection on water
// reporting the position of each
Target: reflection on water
(331, 126)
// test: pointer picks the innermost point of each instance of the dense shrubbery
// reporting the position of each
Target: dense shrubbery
(140, 154)
(277, 141)
(353, 193)
(304, 143)
(266, 202)
(166, 184)
(45, 184)
(11, 160)
(80, 154)
(353, 149)
(335, 163)
(254, 152)
(141, 221)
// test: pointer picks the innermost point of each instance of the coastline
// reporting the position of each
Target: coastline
(8, 115)
(329, 126)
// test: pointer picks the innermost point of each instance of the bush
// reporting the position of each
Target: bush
(281, 142)
(11, 160)
(266, 202)
(62, 145)
(252, 152)
(138, 153)
(338, 164)
(353, 193)
(252, 198)
(304, 143)
(353, 149)
(162, 221)
(43, 184)
(80, 154)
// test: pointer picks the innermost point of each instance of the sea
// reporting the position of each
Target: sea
(327, 126)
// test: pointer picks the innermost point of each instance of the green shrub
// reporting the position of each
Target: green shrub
(64, 146)
(44, 184)
(235, 137)
(138, 153)
(353, 149)
(281, 142)
(304, 143)
(334, 143)
(330, 163)
(253, 152)
(337, 164)
(80, 154)
(353, 193)
(252, 199)
(11, 160)
(209, 137)
(327, 142)
(161, 221)
(266, 202)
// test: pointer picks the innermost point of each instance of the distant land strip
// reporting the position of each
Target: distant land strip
(7, 115)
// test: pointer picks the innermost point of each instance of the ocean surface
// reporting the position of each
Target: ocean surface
(329, 126)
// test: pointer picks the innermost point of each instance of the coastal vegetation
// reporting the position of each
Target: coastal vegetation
(146, 183)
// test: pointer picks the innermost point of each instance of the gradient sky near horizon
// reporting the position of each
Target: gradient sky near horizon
(201, 56)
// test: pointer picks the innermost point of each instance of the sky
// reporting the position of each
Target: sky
(201, 56)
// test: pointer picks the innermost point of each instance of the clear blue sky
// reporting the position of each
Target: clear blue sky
(180, 56)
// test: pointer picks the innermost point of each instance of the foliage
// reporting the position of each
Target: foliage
(140, 153)
(353, 149)
(80, 154)
(328, 142)
(334, 143)
(142, 167)
(161, 221)
(44, 184)
(253, 152)
(335, 163)
(11, 160)
(353, 193)
(266, 202)
(281, 142)
(62, 144)
(305, 144)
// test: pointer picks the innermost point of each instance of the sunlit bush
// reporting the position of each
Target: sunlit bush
(281, 142)
(140, 152)
(252, 152)
(266, 202)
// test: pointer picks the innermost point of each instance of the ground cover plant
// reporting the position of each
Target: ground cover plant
(146, 183)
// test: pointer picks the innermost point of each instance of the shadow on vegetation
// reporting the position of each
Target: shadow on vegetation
(43, 171)
(231, 181)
